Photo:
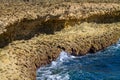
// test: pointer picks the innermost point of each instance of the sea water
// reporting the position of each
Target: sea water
(104, 65)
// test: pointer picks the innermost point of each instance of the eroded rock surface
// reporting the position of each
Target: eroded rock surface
(30, 34)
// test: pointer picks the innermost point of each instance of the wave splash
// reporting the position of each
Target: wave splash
(55, 70)
(104, 65)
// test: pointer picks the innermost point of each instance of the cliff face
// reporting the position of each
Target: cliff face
(23, 21)
(30, 33)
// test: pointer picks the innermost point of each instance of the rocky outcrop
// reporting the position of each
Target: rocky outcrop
(23, 21)
(30, 33)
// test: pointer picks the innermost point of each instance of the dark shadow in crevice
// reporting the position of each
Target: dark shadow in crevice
(26, 29)
(50, 27)
(111, 17)
(92, 50)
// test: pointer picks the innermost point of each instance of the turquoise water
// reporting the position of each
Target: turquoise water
(104, 65)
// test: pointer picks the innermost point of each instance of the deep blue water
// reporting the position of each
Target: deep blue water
(104, 65)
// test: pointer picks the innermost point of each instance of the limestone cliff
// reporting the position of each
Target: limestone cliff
(30, 33)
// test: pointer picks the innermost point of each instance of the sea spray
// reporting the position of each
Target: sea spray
(104, 65)
(53, 70)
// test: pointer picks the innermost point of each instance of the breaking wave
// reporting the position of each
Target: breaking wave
(104, 65)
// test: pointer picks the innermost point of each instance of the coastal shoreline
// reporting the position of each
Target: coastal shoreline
(30, 34)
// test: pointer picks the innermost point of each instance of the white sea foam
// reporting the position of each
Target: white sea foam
(45, 73)
(118, 44)
(54, 63)
(54, 77)
(63, 56)
(57, 69)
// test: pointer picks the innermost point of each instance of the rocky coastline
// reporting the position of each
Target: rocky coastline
(30, 33)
